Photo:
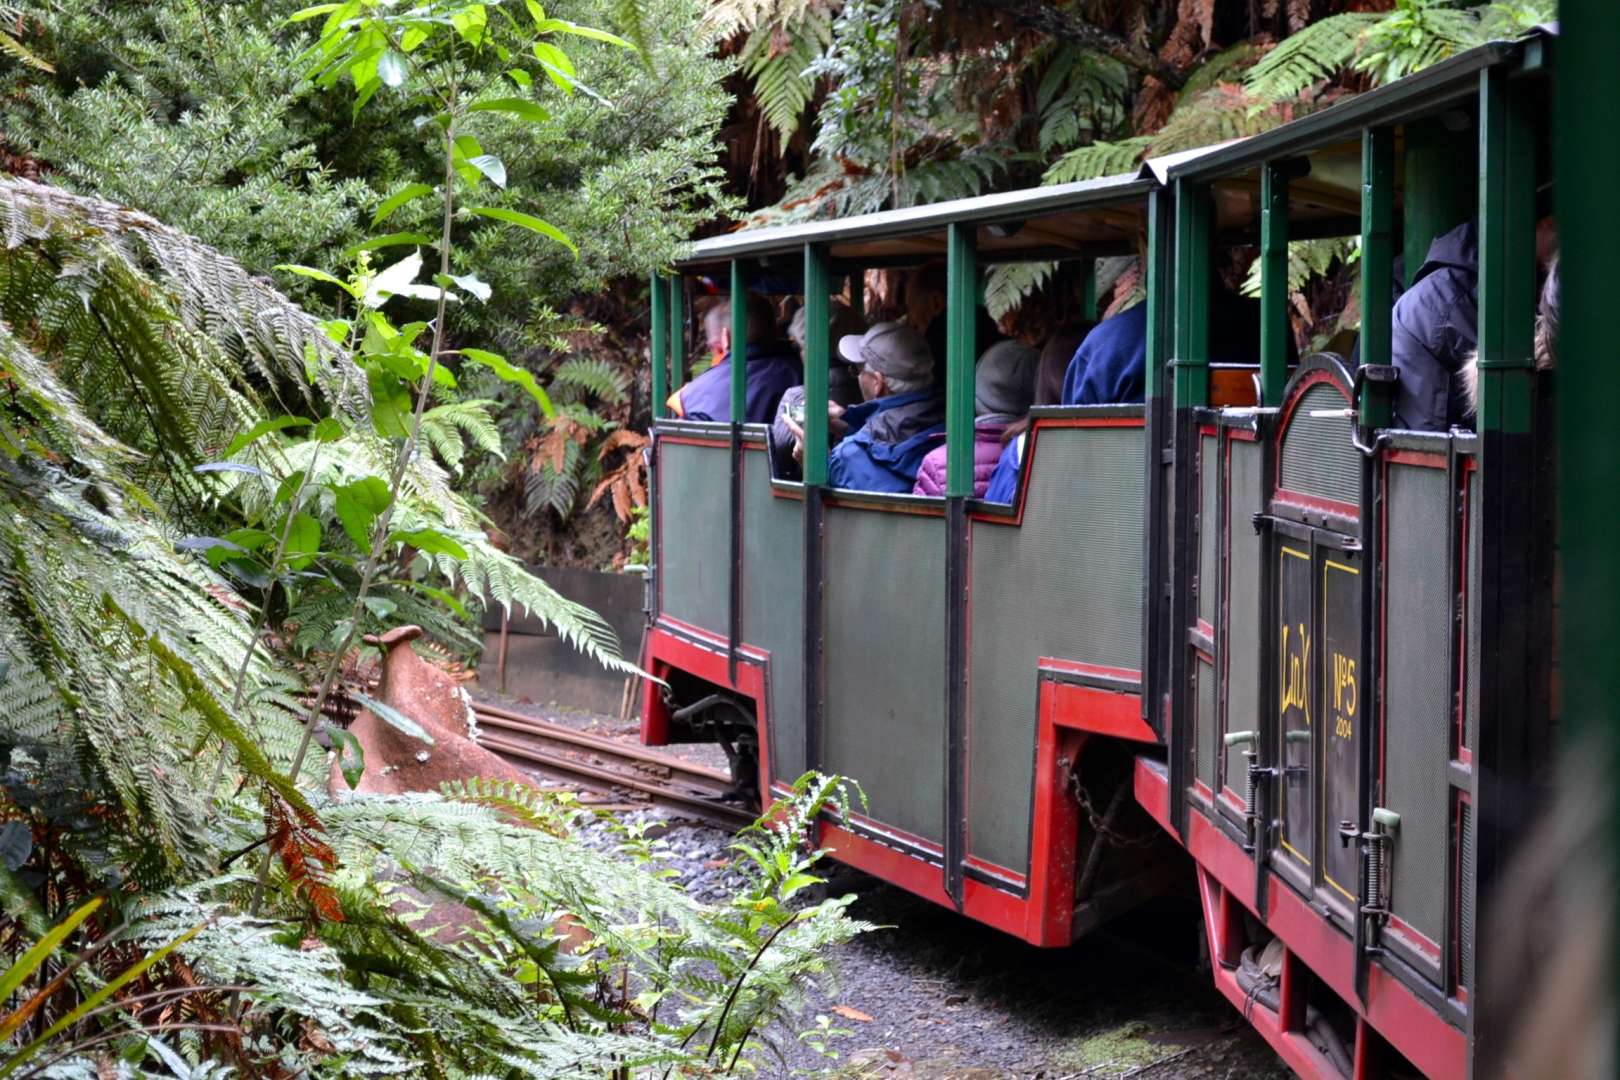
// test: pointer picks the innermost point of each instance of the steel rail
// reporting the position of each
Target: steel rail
(606, 765)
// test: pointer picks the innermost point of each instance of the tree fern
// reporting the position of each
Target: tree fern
(594, 375)
(778, 59)
(1098, 159)
(1006, 285)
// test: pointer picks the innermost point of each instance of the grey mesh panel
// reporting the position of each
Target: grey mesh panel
(1067, 583)
(773, 607)
(1243, 604)
(1209, 480)
(1465, 897)
(1204, 676)
(885, 723)
(694, 504)
(1472, 627)
(1417, 692)
(1318, 457)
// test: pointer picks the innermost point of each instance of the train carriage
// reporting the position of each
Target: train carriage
(1244, 637)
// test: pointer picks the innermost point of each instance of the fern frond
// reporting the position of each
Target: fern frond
(1098, 159)
(596, 375)
(1313, 55)
(1008, 284)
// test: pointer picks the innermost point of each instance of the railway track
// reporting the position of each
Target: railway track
(608, 766)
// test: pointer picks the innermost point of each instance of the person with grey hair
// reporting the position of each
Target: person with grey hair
(843, 389)
(884, 439)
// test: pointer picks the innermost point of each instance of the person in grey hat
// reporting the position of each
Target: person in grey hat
(885, 438)
(842, 387)
(1003, 390)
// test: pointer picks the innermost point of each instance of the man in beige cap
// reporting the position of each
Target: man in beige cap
(902, 417)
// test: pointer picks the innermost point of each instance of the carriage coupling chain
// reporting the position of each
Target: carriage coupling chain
(1103, 824)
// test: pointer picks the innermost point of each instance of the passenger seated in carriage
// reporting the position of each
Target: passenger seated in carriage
(882, 441)
(1434, 327)
(1003, 387)
(843, 389)
(772, 369)
(1003, 485)
(1110, 366)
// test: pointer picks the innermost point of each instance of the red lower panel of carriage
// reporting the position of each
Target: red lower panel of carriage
(1392, 1014)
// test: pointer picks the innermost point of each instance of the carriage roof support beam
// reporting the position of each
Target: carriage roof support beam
(962, 299)
(676, 320)
(739, 341)
(1274, 328)
(1195, 234)
(660, 333)
(817, 350)
(1377, 265)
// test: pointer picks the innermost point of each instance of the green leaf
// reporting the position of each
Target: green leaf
(559, 69)
(303, 541)
(328, 430)
(470, 22)
(358, 505)
(444, 597)
(563, 26)
(471, 284)
(521, 77)
(351, 756)
(519, 107)
(30, 961)
(317, 275)
(431, 541)
(511, 374)
(528, 221)
(371, 492)
(248, 539)
(387, 240)
(314, 12)
(288, 487)
(261, 429)
(393, 717)
(391, 68)
(491, 166)
(399, 199)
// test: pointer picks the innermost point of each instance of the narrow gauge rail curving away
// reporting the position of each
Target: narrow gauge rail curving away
(608, 766)
(1246, 639)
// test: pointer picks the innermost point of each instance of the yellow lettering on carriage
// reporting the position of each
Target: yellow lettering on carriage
(1345, 689)
(1296, 673)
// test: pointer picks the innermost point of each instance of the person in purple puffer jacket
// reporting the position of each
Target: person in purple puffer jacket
(1003, 388)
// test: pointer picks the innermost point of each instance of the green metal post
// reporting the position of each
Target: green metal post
(1088, 289)
(1507, 265)
(1157, 280)
(677, 333)
(1194, 260)
(1438, 189)
(1586, 157)
(1377, 258)
(739, 341)
(962, 293)
(1274, 329)
(660, 328)
(1512, 725)
(817, 317)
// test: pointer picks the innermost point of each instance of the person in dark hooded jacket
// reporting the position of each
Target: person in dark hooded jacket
(1433, 332)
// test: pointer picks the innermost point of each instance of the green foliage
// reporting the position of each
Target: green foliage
(1387, 46)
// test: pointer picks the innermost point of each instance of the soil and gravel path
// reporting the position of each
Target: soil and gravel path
(935, 995)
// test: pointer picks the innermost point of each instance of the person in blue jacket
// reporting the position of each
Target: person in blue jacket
(886, 436)
(773, 367)
(1110, 366)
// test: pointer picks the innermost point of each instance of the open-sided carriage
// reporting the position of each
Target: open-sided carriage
(1245, 621)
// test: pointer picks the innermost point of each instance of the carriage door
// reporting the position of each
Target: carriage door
(1318, 691)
